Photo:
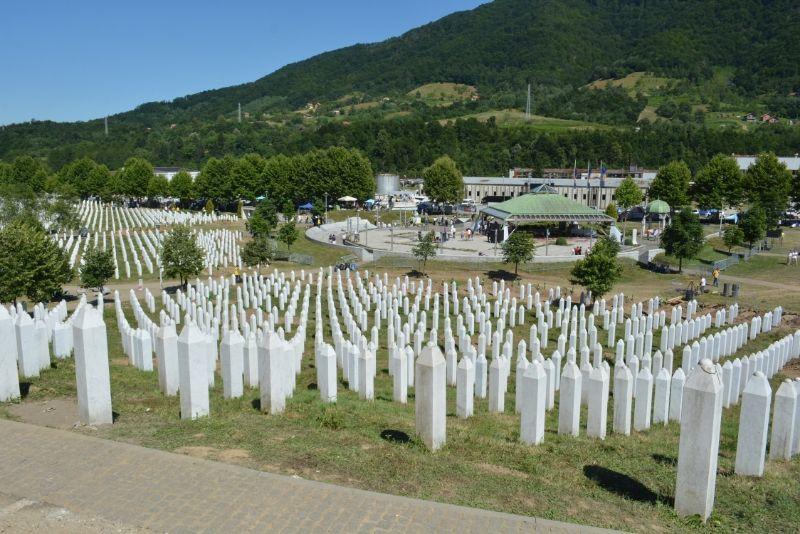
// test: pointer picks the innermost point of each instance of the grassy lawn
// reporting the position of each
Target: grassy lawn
(507, 117)
(703, 261)
(622, 482)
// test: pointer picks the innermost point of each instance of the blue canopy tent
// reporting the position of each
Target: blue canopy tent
(306, 206)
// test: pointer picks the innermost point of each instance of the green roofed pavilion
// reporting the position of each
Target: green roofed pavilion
(544, 207)
(658, 207)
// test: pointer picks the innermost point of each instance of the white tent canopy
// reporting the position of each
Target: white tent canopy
(347, 199)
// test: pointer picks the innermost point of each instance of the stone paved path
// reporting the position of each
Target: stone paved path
(149, 489)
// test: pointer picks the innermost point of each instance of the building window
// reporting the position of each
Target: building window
(604, 196)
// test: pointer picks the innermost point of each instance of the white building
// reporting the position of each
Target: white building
(170, 172)
(792, 162)
(593, 192)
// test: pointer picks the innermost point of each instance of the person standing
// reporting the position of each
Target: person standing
(715, 275)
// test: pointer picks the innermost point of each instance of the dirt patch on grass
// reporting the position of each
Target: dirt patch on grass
(234, 456)
(790, 320)
(59, 413)
(501, 470)
(792, 370)
(228, 456)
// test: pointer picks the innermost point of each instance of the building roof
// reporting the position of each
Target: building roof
(560, 182)
(544, 207)
(792, 162)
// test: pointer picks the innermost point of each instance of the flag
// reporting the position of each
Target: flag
(602, 170)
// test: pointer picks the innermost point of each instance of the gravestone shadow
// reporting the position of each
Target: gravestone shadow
(501, 274)
(256, 403)
(665, 460)
(624, 485)
(395, 436)
(24, 389)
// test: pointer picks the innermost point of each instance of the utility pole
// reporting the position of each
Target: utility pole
(528, 105)
(326, 208)
(105, 122)
(240, 112)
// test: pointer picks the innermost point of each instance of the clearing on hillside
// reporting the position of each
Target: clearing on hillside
(635, 82)
(445, 93)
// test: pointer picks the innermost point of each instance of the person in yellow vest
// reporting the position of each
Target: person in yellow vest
(237, 275)
(715, 275)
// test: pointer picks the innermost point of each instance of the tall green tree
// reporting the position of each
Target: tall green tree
(36, 268)
(443, 181)
(97, 180)
(628, 194)
(29, 172)
(288, 234)
(732, 237)
(683, 238)
(518, 248)
(257, 251)
(97, 268)
(600, 269)
(768, 183)
(181, 257)
(263, 219)
(135, 176)
(718, 183)
(754, 225)
(671, 184)
(424, 249)
(182, 186)
(78, 174)
(158, 186)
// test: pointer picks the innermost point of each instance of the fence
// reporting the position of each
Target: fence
(733, 259)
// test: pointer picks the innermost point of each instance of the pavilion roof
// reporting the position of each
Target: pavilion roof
(544, 207)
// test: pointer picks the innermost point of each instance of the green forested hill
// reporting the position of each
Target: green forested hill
(720, 59)
(553, 43)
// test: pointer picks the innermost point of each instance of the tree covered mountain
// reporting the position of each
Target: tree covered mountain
(500, 46)
(710, 55)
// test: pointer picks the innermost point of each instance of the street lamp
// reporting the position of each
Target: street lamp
(326, 207)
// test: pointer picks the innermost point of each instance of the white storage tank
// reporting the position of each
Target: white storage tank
(387, 184)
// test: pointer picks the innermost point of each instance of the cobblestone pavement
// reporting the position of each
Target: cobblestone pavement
(143, 488)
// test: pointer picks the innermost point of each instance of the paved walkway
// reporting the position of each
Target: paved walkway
(161, 491)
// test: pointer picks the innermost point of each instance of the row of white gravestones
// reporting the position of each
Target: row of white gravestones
(703, 399)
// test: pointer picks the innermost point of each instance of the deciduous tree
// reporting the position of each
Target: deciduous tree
(288, 234)
(443, 181)
(135, 176)
(754, 225)
(733, 237)
(683, 238)
(32, 264)
(424, 249)
(768, 184)
(600, 269)
(97, 268)
(518, 248)
(718, 184)
(181, 257)
(671, 184)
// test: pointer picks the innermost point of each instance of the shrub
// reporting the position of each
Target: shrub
(561, 241)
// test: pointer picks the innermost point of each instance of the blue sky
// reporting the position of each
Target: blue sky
(80, 59)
